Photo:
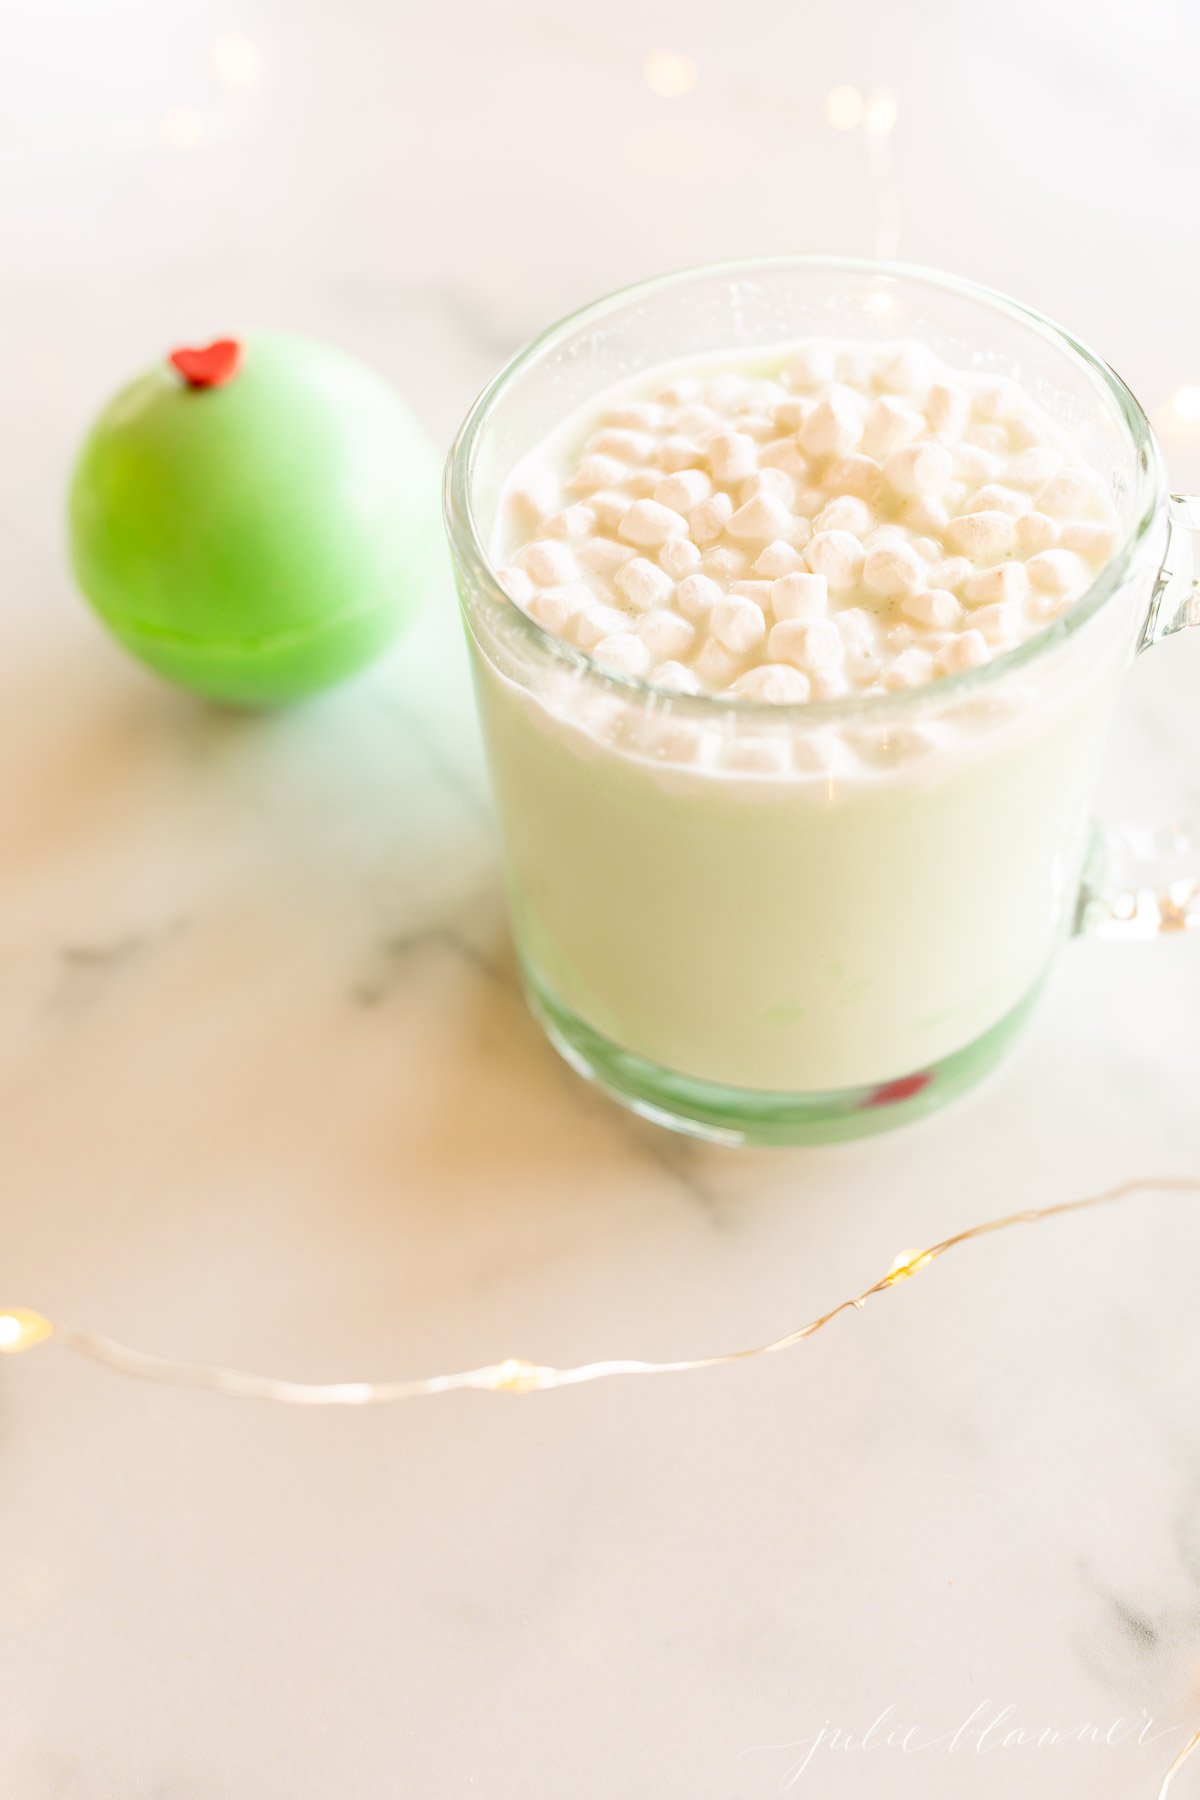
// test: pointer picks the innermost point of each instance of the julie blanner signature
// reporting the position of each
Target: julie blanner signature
(989, 1729)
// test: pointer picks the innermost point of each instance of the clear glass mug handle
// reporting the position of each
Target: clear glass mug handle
(1143, 881)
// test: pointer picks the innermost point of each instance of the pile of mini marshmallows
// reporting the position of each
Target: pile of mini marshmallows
(866, 521)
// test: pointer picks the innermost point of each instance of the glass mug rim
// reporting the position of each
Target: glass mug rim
(468, 546)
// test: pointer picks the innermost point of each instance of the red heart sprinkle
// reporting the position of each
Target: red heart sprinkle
(210, 367)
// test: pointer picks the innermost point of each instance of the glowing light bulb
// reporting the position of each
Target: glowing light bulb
(21, 1330)
(880, 112)
(844, 108)
(669, 73)
(906, 1264)
(516, 1376)
(1185, 402)
(236, 61)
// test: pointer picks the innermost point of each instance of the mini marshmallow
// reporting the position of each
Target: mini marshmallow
(856, 366)
(935, 607)
(1000, 624)
(993, 496)
(573, 523)
(950, 573)
(548, 561)
(947, 409)
(758, 591)
(834, 426)
(715, 665)
(757, 426)
(589, 627)
(779, 684)
(809, 644)
(738, 624)
(597, 472)
(918, 470)
(761, 396)
(1057, 571)
(682, 392)
(768, 481)
(649, 524)
(858, 475)
(679, 557)
(927, 515)
(516, 584)
(829, 684)
(642, 584)
(994, 398)
(708, 520)
(724, 563)
(696, 596)
(1031, 467)
(984, 537)
(604, 556)
(966, 651)
(676, 676)
(909, 371)
(846, 513)
(609, 508)
(912, 668)
(973, 465)
(800, 595)
(732, 455)
(624, 653)
(638, 415)
(791, 413)
(1071, 494)
(894, 569)
(724, 391)
(676, 453)
(535, 497)
(837, 556)
(1007, 581)
(683, 491)
(1095, 543)
(812, 366)
(665, 634)
(890, 424)
(785, 455)
(992, 439)
(625, 446)
(779, 558)
(555, 607)
(858, 631)
(696, 421)
(1035, 531)
(761, 519)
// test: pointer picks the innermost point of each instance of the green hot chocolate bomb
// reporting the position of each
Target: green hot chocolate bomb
(257, 519)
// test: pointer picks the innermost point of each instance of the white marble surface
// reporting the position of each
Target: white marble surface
(268, 1093)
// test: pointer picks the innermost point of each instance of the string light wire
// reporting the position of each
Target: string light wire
(22, 1329)
(1192, 1745)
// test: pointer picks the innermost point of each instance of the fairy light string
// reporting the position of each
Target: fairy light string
(22, 1329)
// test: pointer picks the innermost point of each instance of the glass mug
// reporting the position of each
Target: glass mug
(786, 924)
